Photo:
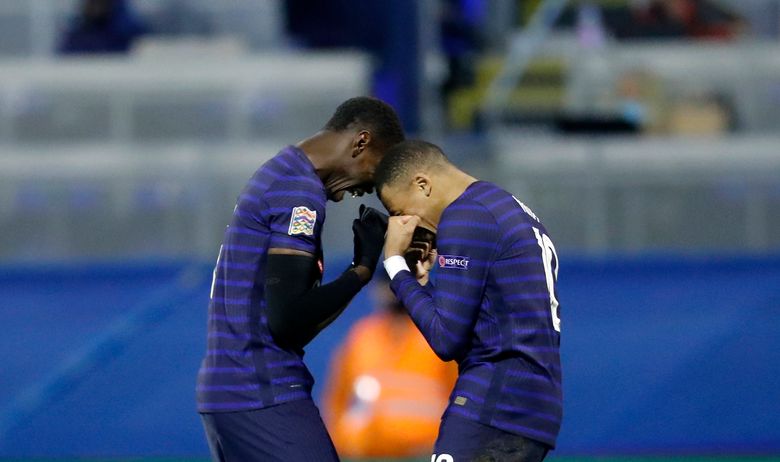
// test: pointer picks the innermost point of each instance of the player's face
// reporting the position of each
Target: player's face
(353, 188)
(358, 177)
(412, 198)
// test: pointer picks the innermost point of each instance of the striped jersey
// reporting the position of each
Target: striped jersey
(494, 310)
(282, 206)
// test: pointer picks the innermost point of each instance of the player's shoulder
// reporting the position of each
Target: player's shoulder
(463, 212)
(503, 204)
(476, 203)
(489, 195)
(291, 164)
(290, 174)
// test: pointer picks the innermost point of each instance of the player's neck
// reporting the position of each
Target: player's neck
(457, 183)
(324, 150)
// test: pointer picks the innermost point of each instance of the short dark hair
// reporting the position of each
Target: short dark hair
(399, 160)
(371, 113)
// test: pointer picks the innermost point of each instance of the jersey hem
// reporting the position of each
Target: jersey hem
(200, 410)
(548, 443)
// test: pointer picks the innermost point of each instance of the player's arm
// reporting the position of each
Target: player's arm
(297, 309)
(446, 313)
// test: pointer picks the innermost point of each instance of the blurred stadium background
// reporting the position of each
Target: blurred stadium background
(646, 134)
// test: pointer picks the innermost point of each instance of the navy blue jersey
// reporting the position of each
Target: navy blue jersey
(494, 309)
(282, 206)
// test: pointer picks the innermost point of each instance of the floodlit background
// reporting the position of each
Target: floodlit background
(645, 134)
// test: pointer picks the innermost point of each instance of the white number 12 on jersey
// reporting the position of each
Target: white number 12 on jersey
(548, 253)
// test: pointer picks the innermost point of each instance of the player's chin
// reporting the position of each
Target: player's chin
(338, 196)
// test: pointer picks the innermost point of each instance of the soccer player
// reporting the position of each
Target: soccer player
(254, 391)
(493, 309)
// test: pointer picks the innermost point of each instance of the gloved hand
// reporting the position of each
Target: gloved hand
(369, 237)
(423, 242)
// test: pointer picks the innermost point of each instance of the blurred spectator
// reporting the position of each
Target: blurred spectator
(102, 26)
(677, 19)
(386, 390)
(654, 19)
(386, 30)
(460, 41)
(638, 95)
(333, 24)
(183, 17)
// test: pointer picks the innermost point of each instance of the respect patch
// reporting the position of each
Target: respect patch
(453, 261)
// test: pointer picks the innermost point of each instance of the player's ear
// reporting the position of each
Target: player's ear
(422, 183)
(360, 142)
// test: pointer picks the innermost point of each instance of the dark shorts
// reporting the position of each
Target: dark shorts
(288, 432)
(464, 440)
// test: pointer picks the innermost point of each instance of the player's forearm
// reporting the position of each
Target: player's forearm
(320, 306)
(297, 312)
(332, 318)
(443, 329)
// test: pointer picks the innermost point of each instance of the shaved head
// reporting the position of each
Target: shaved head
(406, 158)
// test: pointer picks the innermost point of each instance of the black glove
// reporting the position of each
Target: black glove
(423, 241)
(422, 235)
(369, 237)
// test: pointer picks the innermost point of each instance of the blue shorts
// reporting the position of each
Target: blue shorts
(288, 432)
(464, 440)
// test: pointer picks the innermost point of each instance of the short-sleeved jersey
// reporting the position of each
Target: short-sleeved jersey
(282, 206)
(494, 309)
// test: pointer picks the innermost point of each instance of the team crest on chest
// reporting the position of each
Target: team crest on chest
(302, 221)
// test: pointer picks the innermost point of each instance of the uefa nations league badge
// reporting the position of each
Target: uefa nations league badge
(302, 221)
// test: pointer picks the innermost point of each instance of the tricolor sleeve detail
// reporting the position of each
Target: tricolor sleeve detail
(446, 314)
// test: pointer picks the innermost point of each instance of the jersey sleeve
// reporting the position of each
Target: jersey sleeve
(445, 313)
(294, 212)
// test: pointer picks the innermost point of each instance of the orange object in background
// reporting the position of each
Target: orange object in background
(386, 389)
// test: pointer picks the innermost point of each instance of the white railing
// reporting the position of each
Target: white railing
(98, 200)
(170, 98)
(101, 201)
(35, 27)
(746, 76)
(639, 194)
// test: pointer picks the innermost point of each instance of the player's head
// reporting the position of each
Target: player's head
(413, 179)
(368, 126)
